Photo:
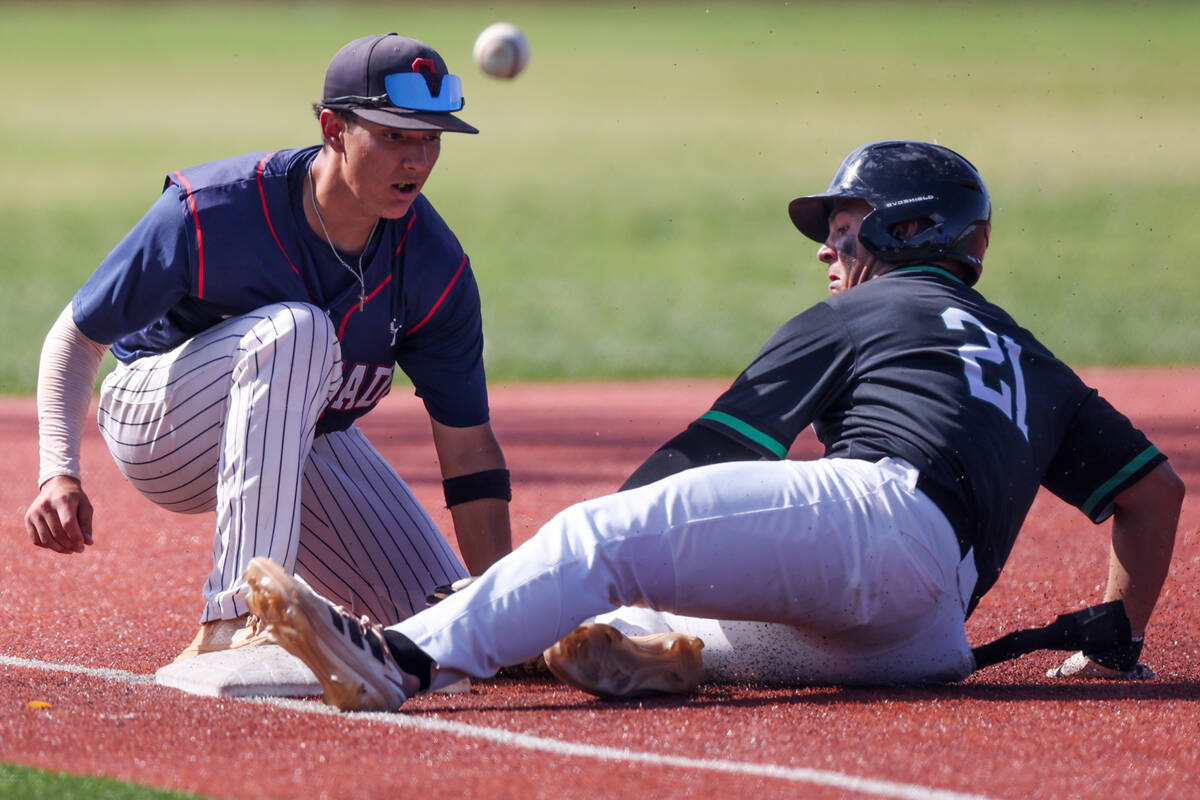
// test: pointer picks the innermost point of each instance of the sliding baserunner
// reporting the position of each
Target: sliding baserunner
(941, 417)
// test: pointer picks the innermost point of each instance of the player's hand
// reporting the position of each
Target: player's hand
(60, 517)
(1119, 664)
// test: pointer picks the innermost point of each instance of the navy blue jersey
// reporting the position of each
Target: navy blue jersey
(230, 236)
(918, 366)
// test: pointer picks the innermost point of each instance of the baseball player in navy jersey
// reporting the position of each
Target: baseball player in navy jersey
(256, 311)
(940, 417)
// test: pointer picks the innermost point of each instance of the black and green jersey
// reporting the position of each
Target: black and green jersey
(918, 366)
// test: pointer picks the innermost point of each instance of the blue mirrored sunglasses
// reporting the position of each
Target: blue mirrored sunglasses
(411, 91)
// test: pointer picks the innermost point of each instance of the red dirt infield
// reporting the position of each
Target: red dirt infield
(85, 634)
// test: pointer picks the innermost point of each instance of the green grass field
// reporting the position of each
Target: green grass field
(625, 206)
(22, 783)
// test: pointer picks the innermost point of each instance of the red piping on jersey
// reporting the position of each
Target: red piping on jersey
(358, 306)
(267, 213)
(449, 286)
(187, 188)
(404, 238)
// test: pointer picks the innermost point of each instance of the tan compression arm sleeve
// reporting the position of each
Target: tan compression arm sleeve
(66, 376)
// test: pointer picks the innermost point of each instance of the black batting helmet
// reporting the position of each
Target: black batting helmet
(908, 181)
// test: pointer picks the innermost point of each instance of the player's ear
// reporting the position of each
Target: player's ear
(333, 128)
(909, 228)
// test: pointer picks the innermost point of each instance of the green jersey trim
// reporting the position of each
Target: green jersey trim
(751, 433)
(947, 273)
(1089, 506)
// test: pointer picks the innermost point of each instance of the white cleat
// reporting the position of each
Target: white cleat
(347, 654)
(220, 635)
(601, 660)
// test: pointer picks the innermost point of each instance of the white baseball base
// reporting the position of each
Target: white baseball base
(263, 671)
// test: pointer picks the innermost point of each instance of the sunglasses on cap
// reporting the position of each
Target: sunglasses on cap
(409, 90)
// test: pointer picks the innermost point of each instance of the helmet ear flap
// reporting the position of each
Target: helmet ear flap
(883, 233)
(944, 233)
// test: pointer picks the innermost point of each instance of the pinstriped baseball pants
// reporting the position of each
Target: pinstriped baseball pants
(226, 423)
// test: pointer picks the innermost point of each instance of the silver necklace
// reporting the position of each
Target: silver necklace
(358, 274)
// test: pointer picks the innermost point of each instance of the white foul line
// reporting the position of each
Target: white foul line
(118, 675)
(816, 777)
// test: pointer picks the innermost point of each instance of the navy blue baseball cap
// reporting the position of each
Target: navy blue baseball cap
(397, 82)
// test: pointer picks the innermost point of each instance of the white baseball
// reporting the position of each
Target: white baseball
(502, 50)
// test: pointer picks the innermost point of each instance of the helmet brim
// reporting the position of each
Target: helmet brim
(810, 214)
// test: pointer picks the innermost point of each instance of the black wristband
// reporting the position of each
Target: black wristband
(1122, 659)
(476, 486)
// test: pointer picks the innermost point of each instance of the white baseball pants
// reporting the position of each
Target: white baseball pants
(226, 422)
(833, 571)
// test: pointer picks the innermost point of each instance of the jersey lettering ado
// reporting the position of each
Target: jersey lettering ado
(917, 365)
(230, 236)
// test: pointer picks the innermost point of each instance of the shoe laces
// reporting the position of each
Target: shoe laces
(363, 632)
(256, 624)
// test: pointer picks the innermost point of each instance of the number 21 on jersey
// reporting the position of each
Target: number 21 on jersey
(999, 350)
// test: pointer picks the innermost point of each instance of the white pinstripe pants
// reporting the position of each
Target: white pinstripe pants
(226, 422)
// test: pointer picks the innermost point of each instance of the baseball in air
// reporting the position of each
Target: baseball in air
(502, 50)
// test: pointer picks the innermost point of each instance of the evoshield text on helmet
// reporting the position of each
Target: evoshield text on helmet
(903, 181)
